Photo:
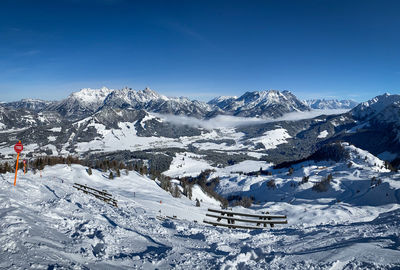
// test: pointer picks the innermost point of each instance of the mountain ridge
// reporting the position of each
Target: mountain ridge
(320, 104)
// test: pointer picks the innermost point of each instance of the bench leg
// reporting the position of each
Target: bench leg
(272, 224)
(219, 219)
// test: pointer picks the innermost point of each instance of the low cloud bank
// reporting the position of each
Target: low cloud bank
(227, 121)
(221, 121)
(293, 116)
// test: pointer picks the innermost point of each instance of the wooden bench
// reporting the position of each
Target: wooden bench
(99, 194)
(261, 220)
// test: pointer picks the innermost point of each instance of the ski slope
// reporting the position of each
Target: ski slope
(47, 224)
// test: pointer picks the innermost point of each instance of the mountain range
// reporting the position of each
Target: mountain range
(96, 122)
(262, 104)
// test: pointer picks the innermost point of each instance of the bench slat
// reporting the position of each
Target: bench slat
(104, 193)
(249, 220)
(233, 225)
(103, 198)
(245, 215)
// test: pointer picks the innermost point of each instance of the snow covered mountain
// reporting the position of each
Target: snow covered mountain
(36, 105)
(323, 104)
(18, 119)
(151, 101)
(222, 101)
(372, 125)
(371, 107)
(269, 104)
(131, 98)
(81, 104)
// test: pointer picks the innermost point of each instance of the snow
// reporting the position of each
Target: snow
(352, 195)
(9, 151)
(273, 138)
(187, 164)
(256, 154)
(46, 223)
(330, 104)
(244, 167)
(146, 118)
(90, 96)
(124, 138)
(323, 134)
(52, 148)
(375, 105)
(52, 138)
(13, 130)
(202, 197)
(221, 99)
(55, 129)
(132, 97)
(358, 127)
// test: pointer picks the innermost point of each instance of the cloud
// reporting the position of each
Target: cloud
(227, 121)
(294, 116)
(221, 121)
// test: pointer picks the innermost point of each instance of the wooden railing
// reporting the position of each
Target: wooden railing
(261, 220)
(99, 194)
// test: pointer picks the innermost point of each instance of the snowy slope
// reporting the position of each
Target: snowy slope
(351, 195)
(271, 139)
(47, 224)
(374, 106)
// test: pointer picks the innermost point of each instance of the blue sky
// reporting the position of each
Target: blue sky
(200, 49)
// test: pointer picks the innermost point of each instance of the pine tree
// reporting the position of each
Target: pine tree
(189, 191)
(176, 193)
(6, 167)
(111, 176)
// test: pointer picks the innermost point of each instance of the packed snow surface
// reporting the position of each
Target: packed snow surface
(47, 224)
(187, 164)
(323, 134)
(272, 138)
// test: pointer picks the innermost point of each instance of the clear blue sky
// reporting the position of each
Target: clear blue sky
(200, 49)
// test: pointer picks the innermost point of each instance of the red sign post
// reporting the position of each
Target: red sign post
(18, 147)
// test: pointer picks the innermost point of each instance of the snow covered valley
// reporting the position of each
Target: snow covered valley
(45, 223)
